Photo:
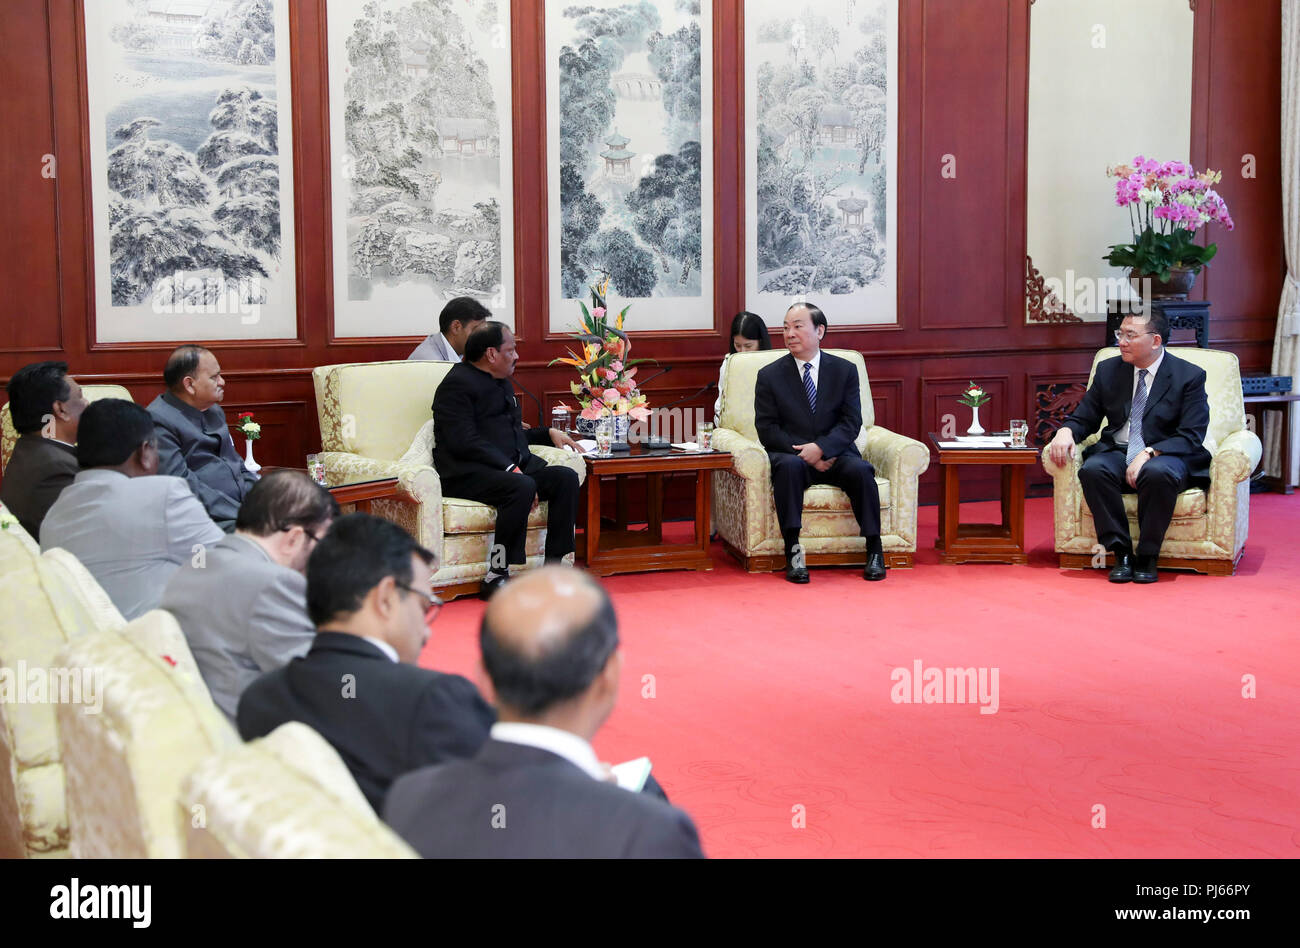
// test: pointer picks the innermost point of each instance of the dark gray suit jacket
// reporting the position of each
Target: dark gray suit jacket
(242, 614)
(197, 446)
(515, 801)
(1176, 417)
(37, 473)
(783, 417)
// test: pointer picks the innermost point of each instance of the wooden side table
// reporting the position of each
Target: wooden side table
(1285, 404)
(982, 542)
(635, 551)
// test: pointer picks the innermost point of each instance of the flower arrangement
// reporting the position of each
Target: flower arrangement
(605, 385)
(1167, 203)
(250, 429)
(974, 396)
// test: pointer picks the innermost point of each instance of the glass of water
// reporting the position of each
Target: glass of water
(1019, 432)
(316, 468)
(604, 436)
(704, 436)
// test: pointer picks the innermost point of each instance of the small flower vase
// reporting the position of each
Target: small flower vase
(620, 429)
(249, 464)
(975, 427)
(587, 426)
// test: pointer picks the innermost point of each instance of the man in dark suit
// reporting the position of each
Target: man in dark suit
(45, 404)
(807, 412)
(481, 452)
(1156, 417)
(537, 788)
(359, 686)
(193, 439)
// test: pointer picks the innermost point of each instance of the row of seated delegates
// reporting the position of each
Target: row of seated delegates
(458, 319)
(360, 688)
(242, 604)
(128, 525)
(194, 440)
(45, 405)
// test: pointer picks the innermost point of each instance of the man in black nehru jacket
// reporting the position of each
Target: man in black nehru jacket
(481, 451)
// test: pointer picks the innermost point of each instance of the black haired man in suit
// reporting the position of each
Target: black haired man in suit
(807, 412)
(1156, 416)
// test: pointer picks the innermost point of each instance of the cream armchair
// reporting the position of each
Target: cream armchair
(284, 796)
(125, 758)
(1208, 530)
(745, 514)
(375, 420)
(9, 435)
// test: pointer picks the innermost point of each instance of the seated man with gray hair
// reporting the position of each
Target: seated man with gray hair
(193, 439)
(243, 604)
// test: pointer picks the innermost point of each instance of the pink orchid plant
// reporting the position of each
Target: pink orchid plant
(1168, 202)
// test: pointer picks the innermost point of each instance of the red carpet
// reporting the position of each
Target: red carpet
(772, 704)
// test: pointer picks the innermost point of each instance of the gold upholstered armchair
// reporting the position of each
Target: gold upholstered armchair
(745, 514)
(1209, 527)
(376, 421)
(9, 435)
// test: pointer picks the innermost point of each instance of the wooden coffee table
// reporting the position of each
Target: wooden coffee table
(622, 550)
(982, 542)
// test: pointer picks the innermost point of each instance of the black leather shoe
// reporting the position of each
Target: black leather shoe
(875, 570)
(1122, 571)
(1144, 570)
(489, 587)
(796, 574)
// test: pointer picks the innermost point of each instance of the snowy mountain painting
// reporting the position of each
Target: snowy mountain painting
(191, 183)
(420, 130)
(821, 111)
(630, 155)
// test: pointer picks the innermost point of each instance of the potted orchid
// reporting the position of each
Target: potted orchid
(973, 397)
(251, 431)
(1168, 202)
(606, 386)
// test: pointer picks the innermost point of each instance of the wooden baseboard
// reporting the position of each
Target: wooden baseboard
(1207, 567)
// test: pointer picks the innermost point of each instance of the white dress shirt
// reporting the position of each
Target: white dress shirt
(564, 744)
(383, 647)
(816, 368)
(1121, 436)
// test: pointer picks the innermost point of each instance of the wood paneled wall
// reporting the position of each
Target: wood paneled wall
(963, 92)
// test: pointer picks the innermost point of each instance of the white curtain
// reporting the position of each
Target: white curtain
(1286, 344)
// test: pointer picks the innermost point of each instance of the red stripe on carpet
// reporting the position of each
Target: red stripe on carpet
(773, 701)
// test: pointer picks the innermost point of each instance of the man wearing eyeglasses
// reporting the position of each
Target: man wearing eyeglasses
(1156, 416)
(359, 686)
(242, 603)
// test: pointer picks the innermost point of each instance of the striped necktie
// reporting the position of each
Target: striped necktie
(809, 387)
(1135, 443)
